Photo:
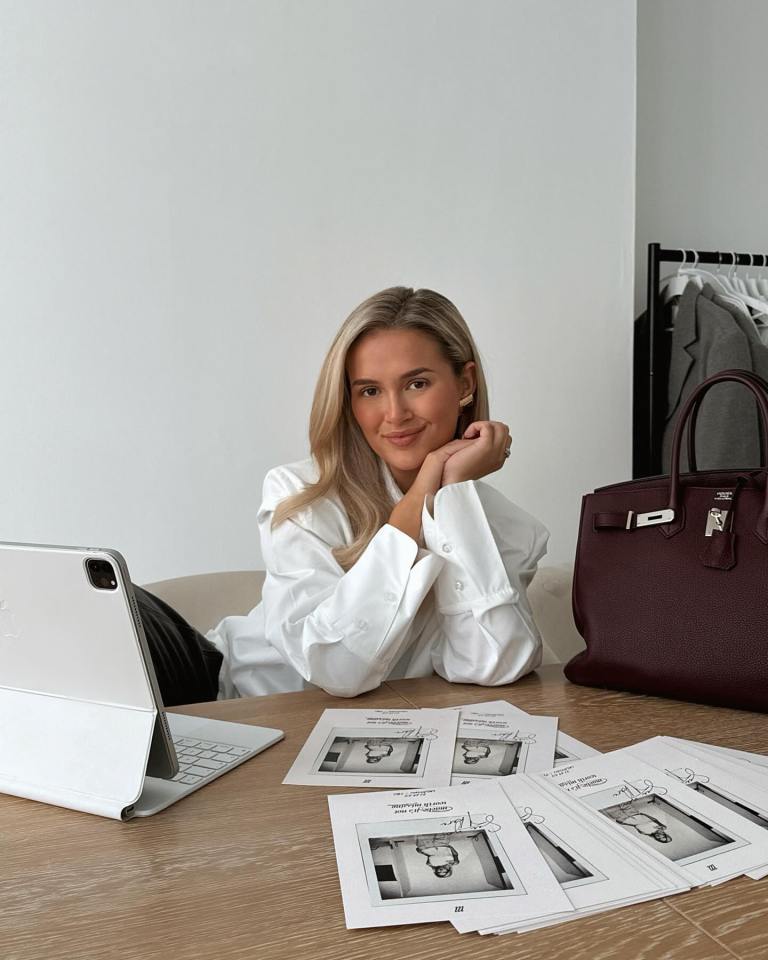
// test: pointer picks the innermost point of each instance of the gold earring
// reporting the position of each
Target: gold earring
(465, 401)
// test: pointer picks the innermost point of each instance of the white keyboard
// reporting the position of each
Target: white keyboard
(206, 749)
(201, 759)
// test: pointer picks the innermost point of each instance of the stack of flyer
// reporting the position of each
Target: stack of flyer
(497, 822)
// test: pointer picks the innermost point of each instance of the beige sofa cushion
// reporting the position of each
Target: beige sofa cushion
(550, 597)
(207, 598)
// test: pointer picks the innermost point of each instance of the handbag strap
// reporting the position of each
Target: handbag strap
(759, 388)
(692, 464)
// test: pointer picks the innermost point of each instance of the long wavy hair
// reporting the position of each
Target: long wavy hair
(347, 467)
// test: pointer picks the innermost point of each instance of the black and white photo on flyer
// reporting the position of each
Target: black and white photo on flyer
(415, 860)
(353, 750)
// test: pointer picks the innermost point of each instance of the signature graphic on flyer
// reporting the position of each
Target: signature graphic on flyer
(635, 789)
(471, 821)
(518, 737)
(688, 776)
(527, 815)
(423, 733)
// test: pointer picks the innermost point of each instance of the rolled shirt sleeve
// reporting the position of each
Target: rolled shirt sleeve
(487, 634)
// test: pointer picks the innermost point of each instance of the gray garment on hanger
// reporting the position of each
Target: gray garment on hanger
(707, 339)
(757, 349)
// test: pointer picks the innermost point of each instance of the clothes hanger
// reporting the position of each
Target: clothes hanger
(751, 283)
(737, 284)
(754, 307)
(725, 279)
(754, 286)
(762, 283)
(700, 275)
(676, 282)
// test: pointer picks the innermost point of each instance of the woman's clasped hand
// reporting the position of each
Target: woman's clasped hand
(481, 451)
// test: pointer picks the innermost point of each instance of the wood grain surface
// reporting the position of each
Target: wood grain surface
(245, 867)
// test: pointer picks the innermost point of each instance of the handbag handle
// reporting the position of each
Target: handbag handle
(691, 443)
(759, 389)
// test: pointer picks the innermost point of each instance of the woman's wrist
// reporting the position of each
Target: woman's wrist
(406, 516)
(455, 477)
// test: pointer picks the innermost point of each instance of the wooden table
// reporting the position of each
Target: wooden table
(245, 868)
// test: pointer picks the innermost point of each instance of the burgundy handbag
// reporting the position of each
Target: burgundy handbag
(670, 587)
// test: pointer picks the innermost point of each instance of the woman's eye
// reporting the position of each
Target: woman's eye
(418, 384)
(368, 392)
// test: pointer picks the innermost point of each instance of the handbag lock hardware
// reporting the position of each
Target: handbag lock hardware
(716, 519)
(649, 519)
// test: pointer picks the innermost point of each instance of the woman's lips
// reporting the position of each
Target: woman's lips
(404, 439)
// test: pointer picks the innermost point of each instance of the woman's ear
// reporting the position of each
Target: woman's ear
(468, 379)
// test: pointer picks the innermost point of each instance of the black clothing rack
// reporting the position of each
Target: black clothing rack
(652, 347)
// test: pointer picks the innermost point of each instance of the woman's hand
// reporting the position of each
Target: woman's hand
(484, 449)
(406, 515)
(431, 476)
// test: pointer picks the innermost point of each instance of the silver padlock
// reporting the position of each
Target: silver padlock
(716, 519)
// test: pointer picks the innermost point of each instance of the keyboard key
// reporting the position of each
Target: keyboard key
(210, 764)
(192, 751)
(186, 743)
(198, 771)
(224, 757)
(179, 775)
(239, 751)
(207, 754)
(190, 778)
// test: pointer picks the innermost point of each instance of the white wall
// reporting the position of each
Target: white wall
(702, 138)
(195, 194)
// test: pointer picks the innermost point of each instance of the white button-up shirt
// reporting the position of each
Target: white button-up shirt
(456, 605)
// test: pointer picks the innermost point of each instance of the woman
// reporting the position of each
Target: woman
(385, 556)
(474, 751)
(377, 750)
(441, 858)
(645, 824)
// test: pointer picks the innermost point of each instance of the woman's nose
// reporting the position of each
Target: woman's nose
(397, 407)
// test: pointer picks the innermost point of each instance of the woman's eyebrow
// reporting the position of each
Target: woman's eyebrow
(405, 376)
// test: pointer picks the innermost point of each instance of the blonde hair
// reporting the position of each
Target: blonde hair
(347, 467)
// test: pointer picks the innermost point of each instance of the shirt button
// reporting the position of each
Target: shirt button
(447, 547)
(361, 624)
(459, 585)
(390, 597)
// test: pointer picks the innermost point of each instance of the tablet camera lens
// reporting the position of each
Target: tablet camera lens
(101, 574)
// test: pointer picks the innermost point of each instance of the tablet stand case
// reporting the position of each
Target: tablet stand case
(77, 713)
